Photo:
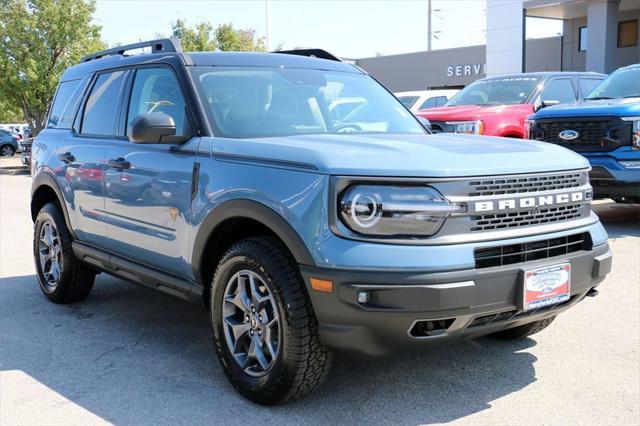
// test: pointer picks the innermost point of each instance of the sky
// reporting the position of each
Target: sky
(347, 28)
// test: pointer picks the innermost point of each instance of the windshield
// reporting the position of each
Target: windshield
(263, 102)
(496, 91)
(624, 83)
(408, 101)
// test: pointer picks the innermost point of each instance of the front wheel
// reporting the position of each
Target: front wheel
(265, 330)
(523, 331)
(62, 278)
(7, 150)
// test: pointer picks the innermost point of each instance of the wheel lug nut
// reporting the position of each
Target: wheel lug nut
(251, 332)
(260, 317)
(246, 318)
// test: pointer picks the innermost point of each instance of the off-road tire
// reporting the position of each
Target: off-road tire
(76, 280)
(302, 363)
(523, 330)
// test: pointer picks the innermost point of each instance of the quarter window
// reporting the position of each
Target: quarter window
(65, 104)
(560, 90)
(99, 116)
(157, 90)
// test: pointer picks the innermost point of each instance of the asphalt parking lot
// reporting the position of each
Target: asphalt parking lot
(129, 355)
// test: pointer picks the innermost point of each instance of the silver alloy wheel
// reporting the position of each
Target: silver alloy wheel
(251, 323)
(7, 151)
(50, 251)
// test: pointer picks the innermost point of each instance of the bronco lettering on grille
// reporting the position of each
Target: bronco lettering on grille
(530, 202)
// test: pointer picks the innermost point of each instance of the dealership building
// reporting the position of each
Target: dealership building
(598, 35)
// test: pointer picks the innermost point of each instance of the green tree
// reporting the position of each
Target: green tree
(10, 113)
(197, 39)
(202, 38)
(41, 38)
(230, 39)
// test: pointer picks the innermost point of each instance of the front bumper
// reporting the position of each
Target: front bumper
(463, 303)
(608, 176)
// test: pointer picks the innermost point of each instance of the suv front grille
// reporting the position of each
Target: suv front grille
(595, 134)
(490, 222)
(526, 252)
(519, 185)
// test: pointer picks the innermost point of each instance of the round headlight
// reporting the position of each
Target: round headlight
(366, 209)
(413, 211)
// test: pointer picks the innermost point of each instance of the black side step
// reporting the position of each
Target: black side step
(137, 273)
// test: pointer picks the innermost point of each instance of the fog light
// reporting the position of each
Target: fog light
(631, 164)
(363, 297)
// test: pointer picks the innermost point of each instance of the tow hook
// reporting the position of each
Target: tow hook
(592, 293)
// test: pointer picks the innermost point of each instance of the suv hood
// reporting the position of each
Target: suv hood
(441, 155)
(624, 107)
(472, 112)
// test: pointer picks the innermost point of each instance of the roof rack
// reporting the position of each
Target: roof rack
(313, 53)
(157, 46)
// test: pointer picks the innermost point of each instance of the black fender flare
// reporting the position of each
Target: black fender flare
(43, 179)
(248, 209)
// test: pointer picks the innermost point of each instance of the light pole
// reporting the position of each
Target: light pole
(267, 17)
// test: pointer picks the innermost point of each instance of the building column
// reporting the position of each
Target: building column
(602, 35)
(505, 37)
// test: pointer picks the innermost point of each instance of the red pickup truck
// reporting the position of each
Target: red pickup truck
(499, 106)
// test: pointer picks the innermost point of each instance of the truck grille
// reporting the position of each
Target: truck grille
(595, 134)
(526, 218)
(518, 185)
(526, 252)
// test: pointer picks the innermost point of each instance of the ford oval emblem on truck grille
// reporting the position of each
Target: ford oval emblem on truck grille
(568, 135)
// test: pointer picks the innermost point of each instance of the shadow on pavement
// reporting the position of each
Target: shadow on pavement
(620, 220)
(133, 356)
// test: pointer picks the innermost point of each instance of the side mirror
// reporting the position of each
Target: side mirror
(153, 127)
(425, 122)
(539, 104)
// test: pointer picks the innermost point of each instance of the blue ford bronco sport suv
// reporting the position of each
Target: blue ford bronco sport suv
(605, 128)
(225, 178)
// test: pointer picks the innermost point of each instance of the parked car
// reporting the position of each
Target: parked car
(25, 156)
(605, 128)
(299, 231)
(422, 99)
(8, 143)
(499, 106)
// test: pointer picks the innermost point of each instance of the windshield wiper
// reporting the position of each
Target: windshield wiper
(597, 98)
(637, 95)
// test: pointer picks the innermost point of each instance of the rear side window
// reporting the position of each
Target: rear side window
(560, 90)
(66, 103)
(587, 85)
(100, 111)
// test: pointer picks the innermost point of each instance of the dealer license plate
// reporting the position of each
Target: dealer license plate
(546, 286)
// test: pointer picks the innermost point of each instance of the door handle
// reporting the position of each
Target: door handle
(119, 163)
(66, 158)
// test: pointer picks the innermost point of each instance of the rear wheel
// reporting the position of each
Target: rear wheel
(265, 331)
(524, 330)
(62, 278)
(7, 150)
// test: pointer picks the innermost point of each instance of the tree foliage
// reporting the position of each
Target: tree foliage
(40, 39)
(202, 38)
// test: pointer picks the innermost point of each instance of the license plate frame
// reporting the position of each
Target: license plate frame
(546, 286)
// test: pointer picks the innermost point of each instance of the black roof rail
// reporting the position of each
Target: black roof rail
(157, 46)
(314, 53)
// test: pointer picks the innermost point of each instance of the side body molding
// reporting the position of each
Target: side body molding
(249, 210)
